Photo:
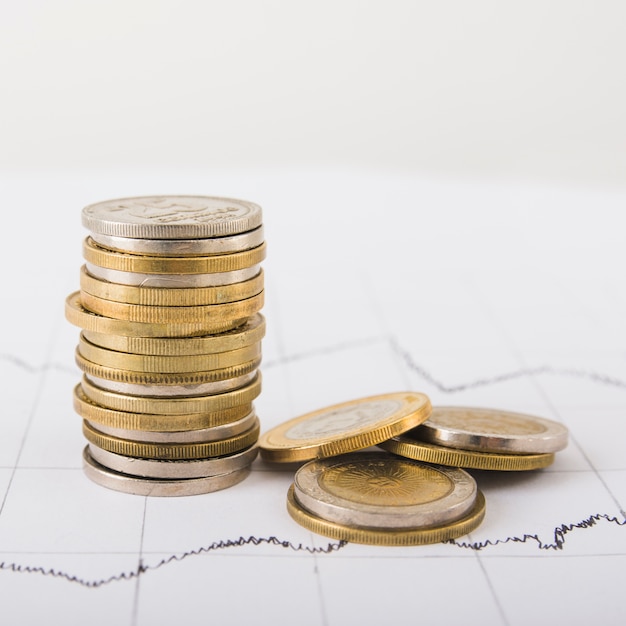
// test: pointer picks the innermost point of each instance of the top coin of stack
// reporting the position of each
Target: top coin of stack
(169, 306)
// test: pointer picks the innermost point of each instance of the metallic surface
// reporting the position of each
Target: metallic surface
(492, 430)
(407, 446)
(149, 468)
(344, 427)
(172, 217)
(155, 487)
(387, 537)
(378, 490)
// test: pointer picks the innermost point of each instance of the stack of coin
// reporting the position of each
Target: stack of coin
(170, 347)
(485, 439)
(366, 497)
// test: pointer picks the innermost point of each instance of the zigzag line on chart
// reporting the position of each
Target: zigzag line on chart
(559, 535)
(404, 355)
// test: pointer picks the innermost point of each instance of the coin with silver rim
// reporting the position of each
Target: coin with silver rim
(492, 430)
(172, 217)
(344, 427)
(378, 490)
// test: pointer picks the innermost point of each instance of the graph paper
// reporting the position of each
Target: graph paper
(478, 294)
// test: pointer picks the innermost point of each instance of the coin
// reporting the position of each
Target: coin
(173, 391)
(123, 262)
(492, 430)
(166, 364)
(151, 468)
(77, 314)
(198, 435)
(162, 296)
(182, 247)
(378, 490)
(387, 537)
(344, 427)
(173, 451)
(173, 406)
(210, 315)
(106, 417)
(155, 487)
(408, 446)
(173, 281)
(249, 333)
(172, 217)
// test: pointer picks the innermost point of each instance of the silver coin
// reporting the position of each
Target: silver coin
(173, 281)
(158, 487)
(201, 435)
(377, 490)
(182, 247)
(172, 217)
(492, 430)
(173, 391)
(148, 468)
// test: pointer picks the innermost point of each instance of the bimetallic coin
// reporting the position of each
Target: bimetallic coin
(173, 281)
(105, 417)
(344, 427)
(407, 446)
(492, 430)
(249, 333)
(173, 406)
(162, 296)
(149, 468)
(77, 314)
(378, 490)
(182, 247)
(208, 264)
(387, 537)
(174, 451)
(172, 217)
(208, 315)
(173, 391)
(158, 487)
(199, 435)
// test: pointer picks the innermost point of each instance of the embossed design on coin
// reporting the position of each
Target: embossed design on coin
(382, 482)
(342, 419)
(481, 421)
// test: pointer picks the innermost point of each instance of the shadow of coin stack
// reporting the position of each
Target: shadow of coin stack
(170, 346)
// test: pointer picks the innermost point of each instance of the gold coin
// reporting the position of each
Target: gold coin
(171, 451)
(344, 427)
(164, 296)
(211, 314)
(167, 364)
(387, 537)
(144, 264)
(173, 406)
(77, 314)
(407, 446)
(162, 378)
(125, 420)
(249, 333)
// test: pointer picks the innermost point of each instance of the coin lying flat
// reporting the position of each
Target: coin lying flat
(249, 333)
(182, 247)
(377, 490)
(492, 430)
(408, 446)
(150, 468)
(162, 296)
(344, 427)
(172, 217)
(387, 537)
(158, 487)
(171, 451)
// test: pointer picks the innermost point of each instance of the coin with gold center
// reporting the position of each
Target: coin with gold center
(492, 430)
(344, 427)
(378, 490)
